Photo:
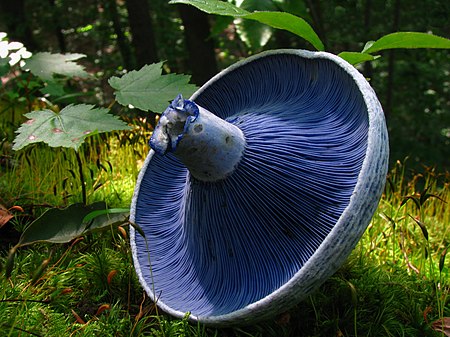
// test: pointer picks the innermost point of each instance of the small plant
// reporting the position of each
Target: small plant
(69, 127)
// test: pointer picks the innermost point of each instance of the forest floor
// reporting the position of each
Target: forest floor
(395, 283)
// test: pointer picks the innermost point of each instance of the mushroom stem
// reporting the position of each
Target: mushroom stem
(207, 145)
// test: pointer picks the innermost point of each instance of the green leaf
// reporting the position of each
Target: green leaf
(288, 22)
(422, 227)
(147, 89)
(64, 225)
(253, 33)
(97, 220)
(108, 212)
(54, 89)
(67, 128)
(59, 225)
(216, 7)
(410, 40)
(45, 65)
(279, 20)
(4, 67)
(355, 58)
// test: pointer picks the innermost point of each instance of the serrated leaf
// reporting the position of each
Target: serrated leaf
(279, 20)
(148, 90)
(355, 58)
(67, 128)
(409, 40)
(45, 65)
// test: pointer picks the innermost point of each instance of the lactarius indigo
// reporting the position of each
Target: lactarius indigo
(258, 187)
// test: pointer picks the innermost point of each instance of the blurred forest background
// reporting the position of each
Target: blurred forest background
(122, 35)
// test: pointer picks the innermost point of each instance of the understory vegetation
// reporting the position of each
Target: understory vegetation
(395, 283)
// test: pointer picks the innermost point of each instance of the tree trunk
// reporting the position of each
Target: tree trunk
(122, 43)
(142, 32)
(201, 54)
(56, 13)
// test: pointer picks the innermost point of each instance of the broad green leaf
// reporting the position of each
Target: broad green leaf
(59, 225)
(147, 89)
(289, 22)
(410, 40)
(67, 128)
(45, 65)
(216, 7)
(64, 225)
(279, 20)
(253, 33)
(98, 220)
(354, 57)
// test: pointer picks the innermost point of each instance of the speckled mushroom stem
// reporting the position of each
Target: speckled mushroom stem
(209, 146)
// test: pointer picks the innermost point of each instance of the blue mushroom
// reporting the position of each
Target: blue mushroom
(258, 186)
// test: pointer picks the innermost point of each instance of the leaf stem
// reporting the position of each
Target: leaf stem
(82, 181)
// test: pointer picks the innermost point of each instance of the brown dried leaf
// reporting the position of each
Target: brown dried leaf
(17, 208)
(111, 274)
(78, 318)
(123, 232)
(442, 325)
(102, 308)
(5, 216)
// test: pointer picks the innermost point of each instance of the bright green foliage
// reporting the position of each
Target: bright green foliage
(280, 20)
(67, 128)
(214, 7)
(400, 40)
(147, 89)
(253, 33)
(355, 57)
(45, 65)
(409, 40)
(289, 22)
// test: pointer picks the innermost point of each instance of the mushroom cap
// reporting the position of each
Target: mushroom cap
(254, 244)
